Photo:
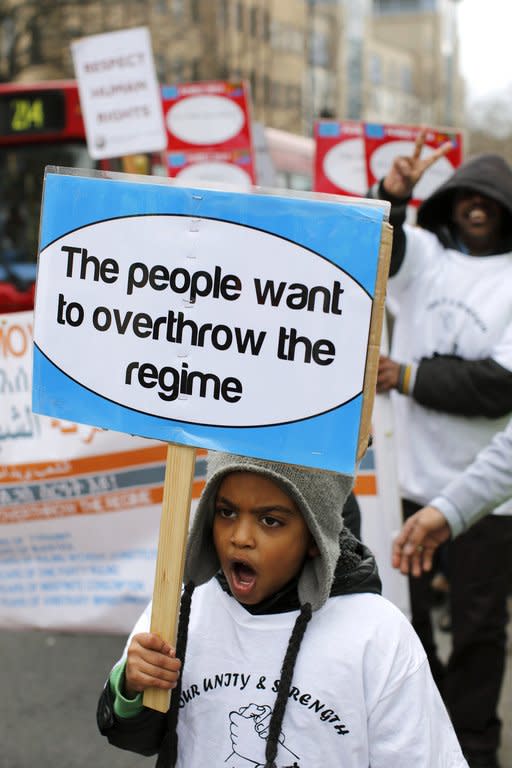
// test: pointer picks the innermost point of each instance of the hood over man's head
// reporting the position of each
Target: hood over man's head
(487, 175)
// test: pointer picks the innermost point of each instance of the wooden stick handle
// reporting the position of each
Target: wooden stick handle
(372, 355)
(179, 476)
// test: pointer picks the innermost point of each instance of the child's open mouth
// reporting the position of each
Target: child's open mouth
(243, 577)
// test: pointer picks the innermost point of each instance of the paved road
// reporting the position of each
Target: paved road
(50, 686)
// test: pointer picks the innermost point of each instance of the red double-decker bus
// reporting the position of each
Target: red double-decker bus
(40, 124)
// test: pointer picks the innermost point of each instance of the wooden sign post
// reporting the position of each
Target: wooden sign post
(179, 476)
(372, 355)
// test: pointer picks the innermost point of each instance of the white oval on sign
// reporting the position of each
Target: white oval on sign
(216, 171)
(344, 166)
(382, 160)
(275, 333)
(205, 119)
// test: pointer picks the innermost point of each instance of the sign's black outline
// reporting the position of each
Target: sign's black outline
(226, 221)
(188, 421)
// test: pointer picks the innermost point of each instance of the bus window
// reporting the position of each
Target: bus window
(21, 182)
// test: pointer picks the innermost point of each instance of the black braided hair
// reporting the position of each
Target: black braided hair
(285, 683)
(169, 752)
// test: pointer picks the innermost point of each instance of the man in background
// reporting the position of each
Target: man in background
(450, 374)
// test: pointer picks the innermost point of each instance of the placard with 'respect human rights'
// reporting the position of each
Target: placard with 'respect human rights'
(119, 93)
(216, 319)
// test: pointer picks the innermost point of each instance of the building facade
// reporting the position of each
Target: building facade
(379, 60)
(284, 48)
(401, 62)
(425, 30)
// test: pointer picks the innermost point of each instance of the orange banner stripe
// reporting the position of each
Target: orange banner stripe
(41, 471)
(365, 485)
(89, 505)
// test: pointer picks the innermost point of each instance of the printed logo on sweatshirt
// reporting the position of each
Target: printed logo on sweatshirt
(248, 731)
(450, 320)
(248, 722)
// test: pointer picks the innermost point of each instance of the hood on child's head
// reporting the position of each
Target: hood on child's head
(320, 497)
(487, 174)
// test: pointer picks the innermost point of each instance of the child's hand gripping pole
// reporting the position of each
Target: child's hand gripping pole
(179, 476)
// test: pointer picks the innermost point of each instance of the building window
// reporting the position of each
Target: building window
(196, 69)
(253, 21)
(376, 102)
(319, 49)
(222, 13)
(252, 82)
(403, 6)
(375, 70)
(195, 12)
(276, 94)
(177, 70)
(178, 7)
(239, 17)
(275, 35)
(160, 67)
(406, 79)
(267, 90)
(391, 79)
(266, 26)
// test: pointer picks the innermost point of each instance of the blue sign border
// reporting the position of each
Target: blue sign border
(347, 234)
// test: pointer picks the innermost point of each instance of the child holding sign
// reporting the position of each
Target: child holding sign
(287, 655)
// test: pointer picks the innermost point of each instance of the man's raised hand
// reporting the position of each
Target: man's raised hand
(405, 172)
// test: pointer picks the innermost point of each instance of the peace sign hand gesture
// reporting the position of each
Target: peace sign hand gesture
(407, 171)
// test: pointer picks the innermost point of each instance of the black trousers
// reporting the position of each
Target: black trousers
(480, 570)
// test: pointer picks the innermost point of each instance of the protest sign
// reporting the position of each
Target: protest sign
(209, 136)
(351, 156)
(207, 114)
(209, 308)
(171, 313)
(340, 165)
(384, 142)
(232, 167)
(119, 93)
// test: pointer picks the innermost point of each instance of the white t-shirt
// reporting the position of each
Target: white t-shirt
(449, 303)
(362, 693)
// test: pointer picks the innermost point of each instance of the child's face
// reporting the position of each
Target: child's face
(260, 536)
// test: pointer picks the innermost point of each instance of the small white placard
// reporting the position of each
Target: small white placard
(119, 93)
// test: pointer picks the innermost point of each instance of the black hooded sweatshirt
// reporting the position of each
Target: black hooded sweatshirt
(146, 733)
(447, 382)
